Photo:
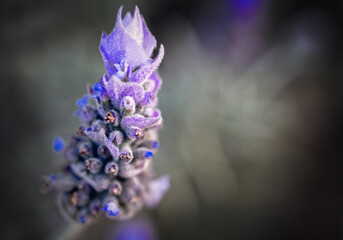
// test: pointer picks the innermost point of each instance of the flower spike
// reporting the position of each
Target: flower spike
(109, 157)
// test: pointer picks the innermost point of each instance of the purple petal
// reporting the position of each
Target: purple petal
(116, 137)
(140, 121)
(149, 97)
(95, 136)
(112, 168)
(158, 81)
(134, 132)
(124, 43)
(112, 117)
(149, 42)
(126, 154)
(147, 70)
(109, 85)
(93, 165)
(111, 147)
(133, 90)
(127, 19)
(128, 105)
(157, 189)
(134, 28)
(157, 113)
(129, 171)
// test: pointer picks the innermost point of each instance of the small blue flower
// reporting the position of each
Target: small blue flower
(52, 177)
(155, 144)
(82, 101)
(149, 154)
(58, 144)
(105, 208)
(82, 219)
(97, 88)
(111, 209)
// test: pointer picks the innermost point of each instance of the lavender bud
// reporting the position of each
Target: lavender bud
(71, 154)
(115, 188)
(78, 198)
(80, 131)
(110, 206)
(103, 152)
(111, 168)
(97, 137)
(87, 114)
(83, 186)
(85, 150)
(130, 170)
(150, 144)
(128, 105)
(128, 196)
(82, 216)
(111, 147)
(95, 207)
(141, 163)
(134, 132)
(102, 181)
(93, 165)
(148, 112)
(98, 125)
(112, 117)
(149, 85)
(140, 121)
(116, 137)
(126, 154)
(141, 153)
(149, 97)
(53, 182)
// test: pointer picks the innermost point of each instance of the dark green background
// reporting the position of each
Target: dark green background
(252, 129)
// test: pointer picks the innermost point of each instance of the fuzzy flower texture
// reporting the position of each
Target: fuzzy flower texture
(109, 166)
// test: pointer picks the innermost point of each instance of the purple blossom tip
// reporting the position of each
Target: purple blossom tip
(130, 40)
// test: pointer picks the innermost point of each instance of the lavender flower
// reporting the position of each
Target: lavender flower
(109, 156)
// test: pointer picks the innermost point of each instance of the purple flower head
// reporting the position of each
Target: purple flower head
(129, 46)
(108, 158)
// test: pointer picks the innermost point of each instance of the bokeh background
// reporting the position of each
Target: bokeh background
(252, 105)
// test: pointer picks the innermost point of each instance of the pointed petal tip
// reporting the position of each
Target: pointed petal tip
(162, 49)
(120, 9)
(119, 18)
(137, 10)
(103, 35)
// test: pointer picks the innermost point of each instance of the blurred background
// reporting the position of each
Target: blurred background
(252, 105)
